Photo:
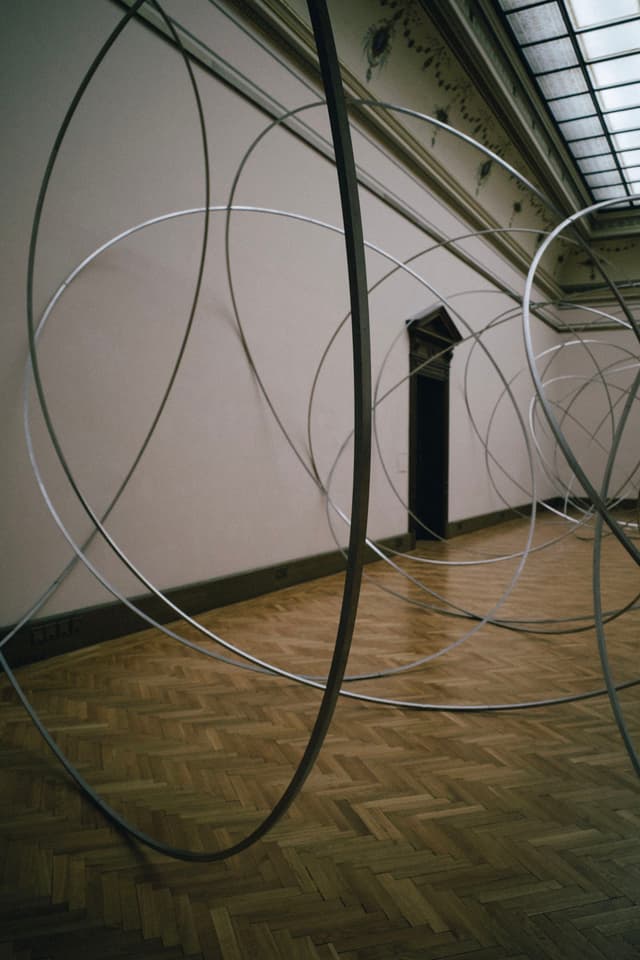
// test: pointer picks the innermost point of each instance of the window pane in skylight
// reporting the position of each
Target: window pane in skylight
(538, 23)
(603, 193)
(613, 98)
(607, 179)
(591, 164)
(610, 41)
(623, 202)
(570, 107)
(623, 120)
(627, 141)
(618, 70)
(550, 55)
(585, 148)
(590, 80)
(628, 158)
(563, 83)
(588, 13)
(578, 129)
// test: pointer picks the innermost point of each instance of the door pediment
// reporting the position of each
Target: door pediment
(434, 324)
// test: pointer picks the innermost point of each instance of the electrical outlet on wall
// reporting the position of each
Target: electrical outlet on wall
(54, 630)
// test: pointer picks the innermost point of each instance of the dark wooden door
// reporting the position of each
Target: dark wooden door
(431, 458)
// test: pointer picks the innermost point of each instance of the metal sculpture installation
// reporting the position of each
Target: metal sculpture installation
(366, 404)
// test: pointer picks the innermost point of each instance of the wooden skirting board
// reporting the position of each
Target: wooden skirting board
(50, 636)
(457, 527)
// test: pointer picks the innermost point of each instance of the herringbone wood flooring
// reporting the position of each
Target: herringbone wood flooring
(419, 835)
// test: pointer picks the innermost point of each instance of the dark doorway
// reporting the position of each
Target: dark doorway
(431, 458)
(432, 337)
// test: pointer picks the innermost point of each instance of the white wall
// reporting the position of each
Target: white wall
(588, 383)
(219, 489)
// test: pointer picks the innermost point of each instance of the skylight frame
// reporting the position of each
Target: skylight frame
(580, 130)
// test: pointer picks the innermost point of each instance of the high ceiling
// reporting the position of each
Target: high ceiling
(584, 57)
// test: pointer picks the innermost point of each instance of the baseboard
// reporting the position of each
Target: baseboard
(457, 527)
(52, 636)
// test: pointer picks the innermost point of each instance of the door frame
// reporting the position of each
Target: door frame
(432, 337)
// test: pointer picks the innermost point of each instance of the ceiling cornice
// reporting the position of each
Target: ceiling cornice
(284, 25)
(477, 36)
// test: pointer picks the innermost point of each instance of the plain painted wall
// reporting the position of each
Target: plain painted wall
(219, 489)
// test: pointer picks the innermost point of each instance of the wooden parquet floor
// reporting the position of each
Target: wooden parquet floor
(495, 836)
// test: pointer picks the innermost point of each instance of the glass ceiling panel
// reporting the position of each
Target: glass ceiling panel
(624, 202)
(570, 107)
(619, 70)
(589, 13)
(550, 55)
(587, 148)
(615, 97)
(592, 164)
(611, 177)
(627, 141)
(538, 23)
(628, 158)
(585, 127)
(603, 193)
(563, 83)
(623, 120)
(610, 41)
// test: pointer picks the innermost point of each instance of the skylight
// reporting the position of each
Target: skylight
(585, 58)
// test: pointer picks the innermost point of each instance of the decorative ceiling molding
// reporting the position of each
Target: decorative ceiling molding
(284, 22)
(476, 33)
(470, 28)
(296, 43)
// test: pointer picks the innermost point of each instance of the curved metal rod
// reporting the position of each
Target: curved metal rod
(488, 455)
(207, 633)
(231, 285)
(592, 435)
(489, 460)
(431, 607)
(440, 245)
(569, 222)
(362, 413)
(307, 681)
(481, 620)
(551, 419)
(237, 177)
(612, 687)
(473, 339)
(264, 667)
(598, 497)
(599, 373)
